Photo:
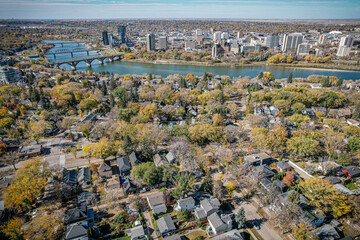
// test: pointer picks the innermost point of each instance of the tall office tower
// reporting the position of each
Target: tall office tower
(214, 52)
(224, 35)
(303, 49)
(122, 33)
(272, 41)
(345, 46)
(150, 42)
(217, 36)
(239, 35)
(105, 38)
(323, 39)
(163, 44)
(198, 32)
(291, 41)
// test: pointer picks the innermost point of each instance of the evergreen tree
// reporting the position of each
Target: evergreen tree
(35, 96)
(104, 88)
(290, 78)
(99, 86)
(261, 75)
(221, 98)
(182, 83)
(128, 145)
(150, 77)
(207, 184)
(240, 218)
(147, 152)
(162, 81)
(112, 101)
(112, 84)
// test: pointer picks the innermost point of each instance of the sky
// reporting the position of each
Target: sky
(236, 9)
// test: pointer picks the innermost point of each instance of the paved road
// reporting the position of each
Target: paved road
(266, 231)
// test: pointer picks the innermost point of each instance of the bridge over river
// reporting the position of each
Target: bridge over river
(88, 60)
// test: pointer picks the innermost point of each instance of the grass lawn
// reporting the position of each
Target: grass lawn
(352, 186)
(195, 234)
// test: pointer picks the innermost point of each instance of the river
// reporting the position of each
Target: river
(121, 67)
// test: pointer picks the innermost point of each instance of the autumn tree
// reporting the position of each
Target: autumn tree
(85, 128)
(13, 229)
(38, 130)
(45, 227)
(289, 179)
(303, 231)
(11, 159)
(324, 197)
(29, 181)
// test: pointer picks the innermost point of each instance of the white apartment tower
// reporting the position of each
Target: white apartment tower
(291, 41)
(345, 46)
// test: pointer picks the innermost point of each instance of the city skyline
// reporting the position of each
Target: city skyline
(230, 9)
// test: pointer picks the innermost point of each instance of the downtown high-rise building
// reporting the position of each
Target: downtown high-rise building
(105, 38)
(163, 43)
(198, 32)
(122, 33)
(291, 41)
(345, 46)
(303, 49)
(217, 36)
(323, 39)
(150, 42)
(272, 41)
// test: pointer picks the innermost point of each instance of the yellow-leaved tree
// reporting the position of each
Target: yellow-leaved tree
(29, 181)
(324, 197)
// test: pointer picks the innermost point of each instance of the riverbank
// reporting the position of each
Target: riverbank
(332, 67)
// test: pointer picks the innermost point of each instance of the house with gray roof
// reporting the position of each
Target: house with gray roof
(186, 204)
(134, 158)
(75, 215)
(84, 176)
(219, 224)
(333, 180)
(137, 232)
(170, 157)
(75, 232)
(105, 170)
(264, 171)
(165, 225)
(129, 187)
(231, 235)
(159, 160)
(327, 232)
(123, 165)
(30, 151)
(210, 205)
(156, 202)
(282, 166)
(257, 159)
(200, 214)
(174, 237)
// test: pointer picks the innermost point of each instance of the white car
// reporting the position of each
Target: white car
(34, 213)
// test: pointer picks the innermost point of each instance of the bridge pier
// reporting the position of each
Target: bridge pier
(72, 55)
(73, 66)
(110, 60)
(61, 44)
(87, 53)
(54, 56)
(101, 61)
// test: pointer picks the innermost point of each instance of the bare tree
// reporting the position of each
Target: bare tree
(11, 158)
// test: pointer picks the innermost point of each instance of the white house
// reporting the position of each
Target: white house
(186, 204)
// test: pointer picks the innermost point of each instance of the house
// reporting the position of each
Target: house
(340, 113)
(105, 170)
(85, 198)
(186, 204)
(270, 185)
(129, 187)
(282, 166)
(170, 157)
(137, 232)
(75, 232)
(159, 161)
(221, 223)
(264, 171)
(231, 235)
(352, 122)
(156, 202)
(327, 232)
(200, 214)
(210, 205)
(113, 183)
(257, 159)
(315, 85)
(351, 171)
(84, 177)
(123, 165)
(76, 214)
(332, 180)
(69, 177)
(174, 237)
(165, 225)
(134, 158)
(30, 151)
